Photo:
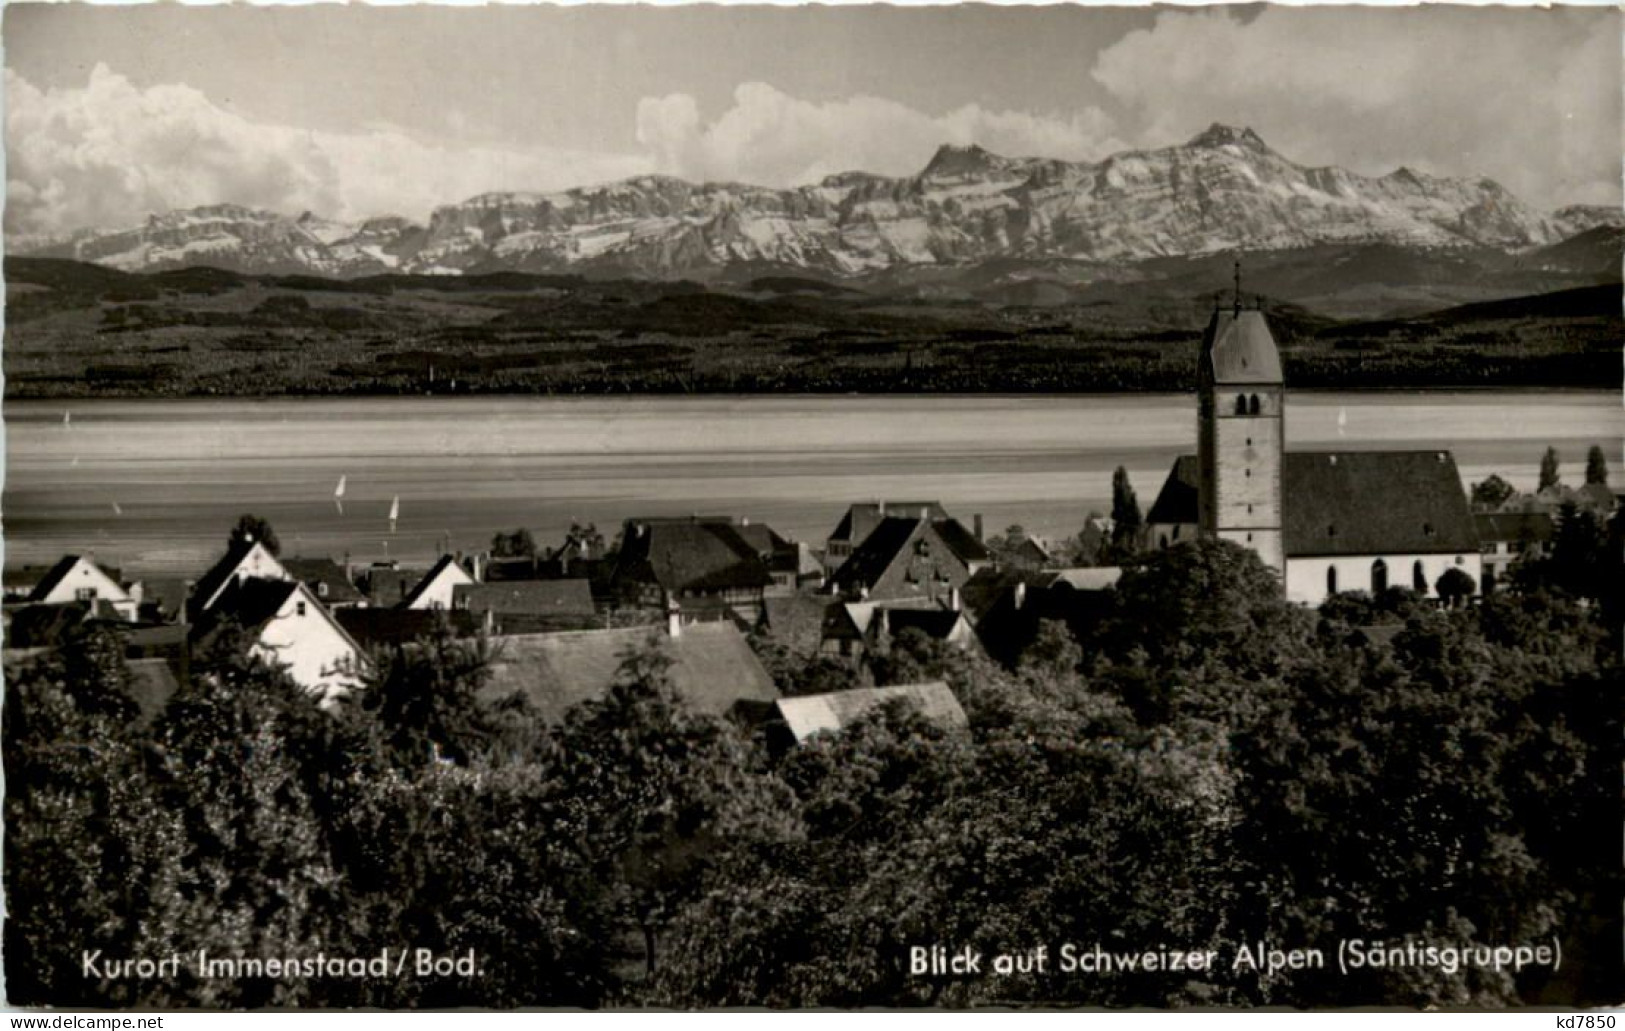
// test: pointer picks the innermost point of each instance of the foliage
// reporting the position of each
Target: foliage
(251, 527)
(1126, 517)
(1491, 493)
(1550, 470)
(518, 544)
(1596, 466)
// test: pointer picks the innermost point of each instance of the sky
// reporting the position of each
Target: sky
(114, 112)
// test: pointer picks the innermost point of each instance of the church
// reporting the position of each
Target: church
(1325, 521)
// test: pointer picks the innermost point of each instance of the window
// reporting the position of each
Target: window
(84, 594)
(1331, 579)
(1379, 576)
(1255, 404)
(1241, 404)
(299, 609)
(1419, 578)
(321, 589)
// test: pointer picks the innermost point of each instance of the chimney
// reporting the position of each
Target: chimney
(955, 603)
(976, 520)
(1021, 595)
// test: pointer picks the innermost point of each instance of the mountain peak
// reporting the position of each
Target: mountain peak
(952, 160)
(1221, 135)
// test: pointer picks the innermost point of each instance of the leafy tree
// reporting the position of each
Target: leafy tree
(1004, 546)
(1126, 518)
(251, 527)
(1550, 470)
(1492, 492)
(1455, 586)
(425, 697)
(1596, 466)
(518, 544)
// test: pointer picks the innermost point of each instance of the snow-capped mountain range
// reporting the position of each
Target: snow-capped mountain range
(1223, 190)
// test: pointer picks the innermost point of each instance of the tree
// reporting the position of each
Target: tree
(1492, 493)
(251, 527)
(1005, 546)
(1126, 517)
(1596, 466)
(518, 544)
(425, 697)
(1455, 586)
(1550, 472)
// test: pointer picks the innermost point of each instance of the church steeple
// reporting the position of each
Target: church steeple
(1240, 430)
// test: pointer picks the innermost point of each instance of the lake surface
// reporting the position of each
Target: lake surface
(154, 486)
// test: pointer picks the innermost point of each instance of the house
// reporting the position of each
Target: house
(438, 587)
(77, 579)
(528, 606)
(1325, 521)
(328, 580)
(386, 584)
(855, 630)
(911, 558)
(696, 562)
(373, 627)
(713, 669)
(1505, 537)
(244, 559)
(288, 627)
(788, 563)
(1031, 555)
(794, 721)
(861, 520)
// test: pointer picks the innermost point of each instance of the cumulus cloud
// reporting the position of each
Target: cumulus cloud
(109, 153)
(1529, 98)
(770, 138)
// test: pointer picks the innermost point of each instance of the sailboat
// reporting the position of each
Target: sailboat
(67, 418)
(338, 496)
(1342, 420)
(394, 512)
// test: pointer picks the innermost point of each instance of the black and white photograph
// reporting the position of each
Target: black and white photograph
(694, 507)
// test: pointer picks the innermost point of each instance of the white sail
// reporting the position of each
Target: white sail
(117, 510)
(338, 496)
(1342, 420)
(67, 418)
(394, 512)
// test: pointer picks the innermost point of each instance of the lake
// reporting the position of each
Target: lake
(154, 486)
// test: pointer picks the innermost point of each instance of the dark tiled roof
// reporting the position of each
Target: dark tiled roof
(861, 519)
(1374, 502)
(1241, 348)
(961, 541)
(380, 626)
(252, 601)
(313, 572)
(1180, 495)
(829, 713)
(934, 623)
(689, 555)
(797, 620)
(1514, 526)
(388, 587)
(761, 537)
(713, 668)
(870, 560)
(167, 593)
(527, 597)
(1353, 502)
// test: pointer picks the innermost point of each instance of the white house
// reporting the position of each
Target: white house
(245, 559)
(77, 579)
(438, 588)
(289, 627)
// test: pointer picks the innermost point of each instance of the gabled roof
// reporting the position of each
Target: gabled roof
(1514, 526)
(870, 560)
(314, 571)
(387, 587)
(1353, 502)
(689, 555)
(1240, 349)
(713, 668)
(936, 624)
(252, 602)
(59, 572)
(961, 541)
(1179, 498)
(1375, 502)
(812, 714)
(446, 565)
(527, 597)
(861, 518)
(210, 583)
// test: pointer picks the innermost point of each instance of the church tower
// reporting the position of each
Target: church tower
(1240, 432)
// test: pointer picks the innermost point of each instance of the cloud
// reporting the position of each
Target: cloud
(109, 153)
(770, 138)
(1530, 98)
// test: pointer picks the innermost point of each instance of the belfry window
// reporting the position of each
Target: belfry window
(1241, 404)
(1379, 576)
(1255, 404)
(1419, 578)
(1331, 579)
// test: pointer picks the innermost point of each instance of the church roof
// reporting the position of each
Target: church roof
(1352, 503)
(1241, 348)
